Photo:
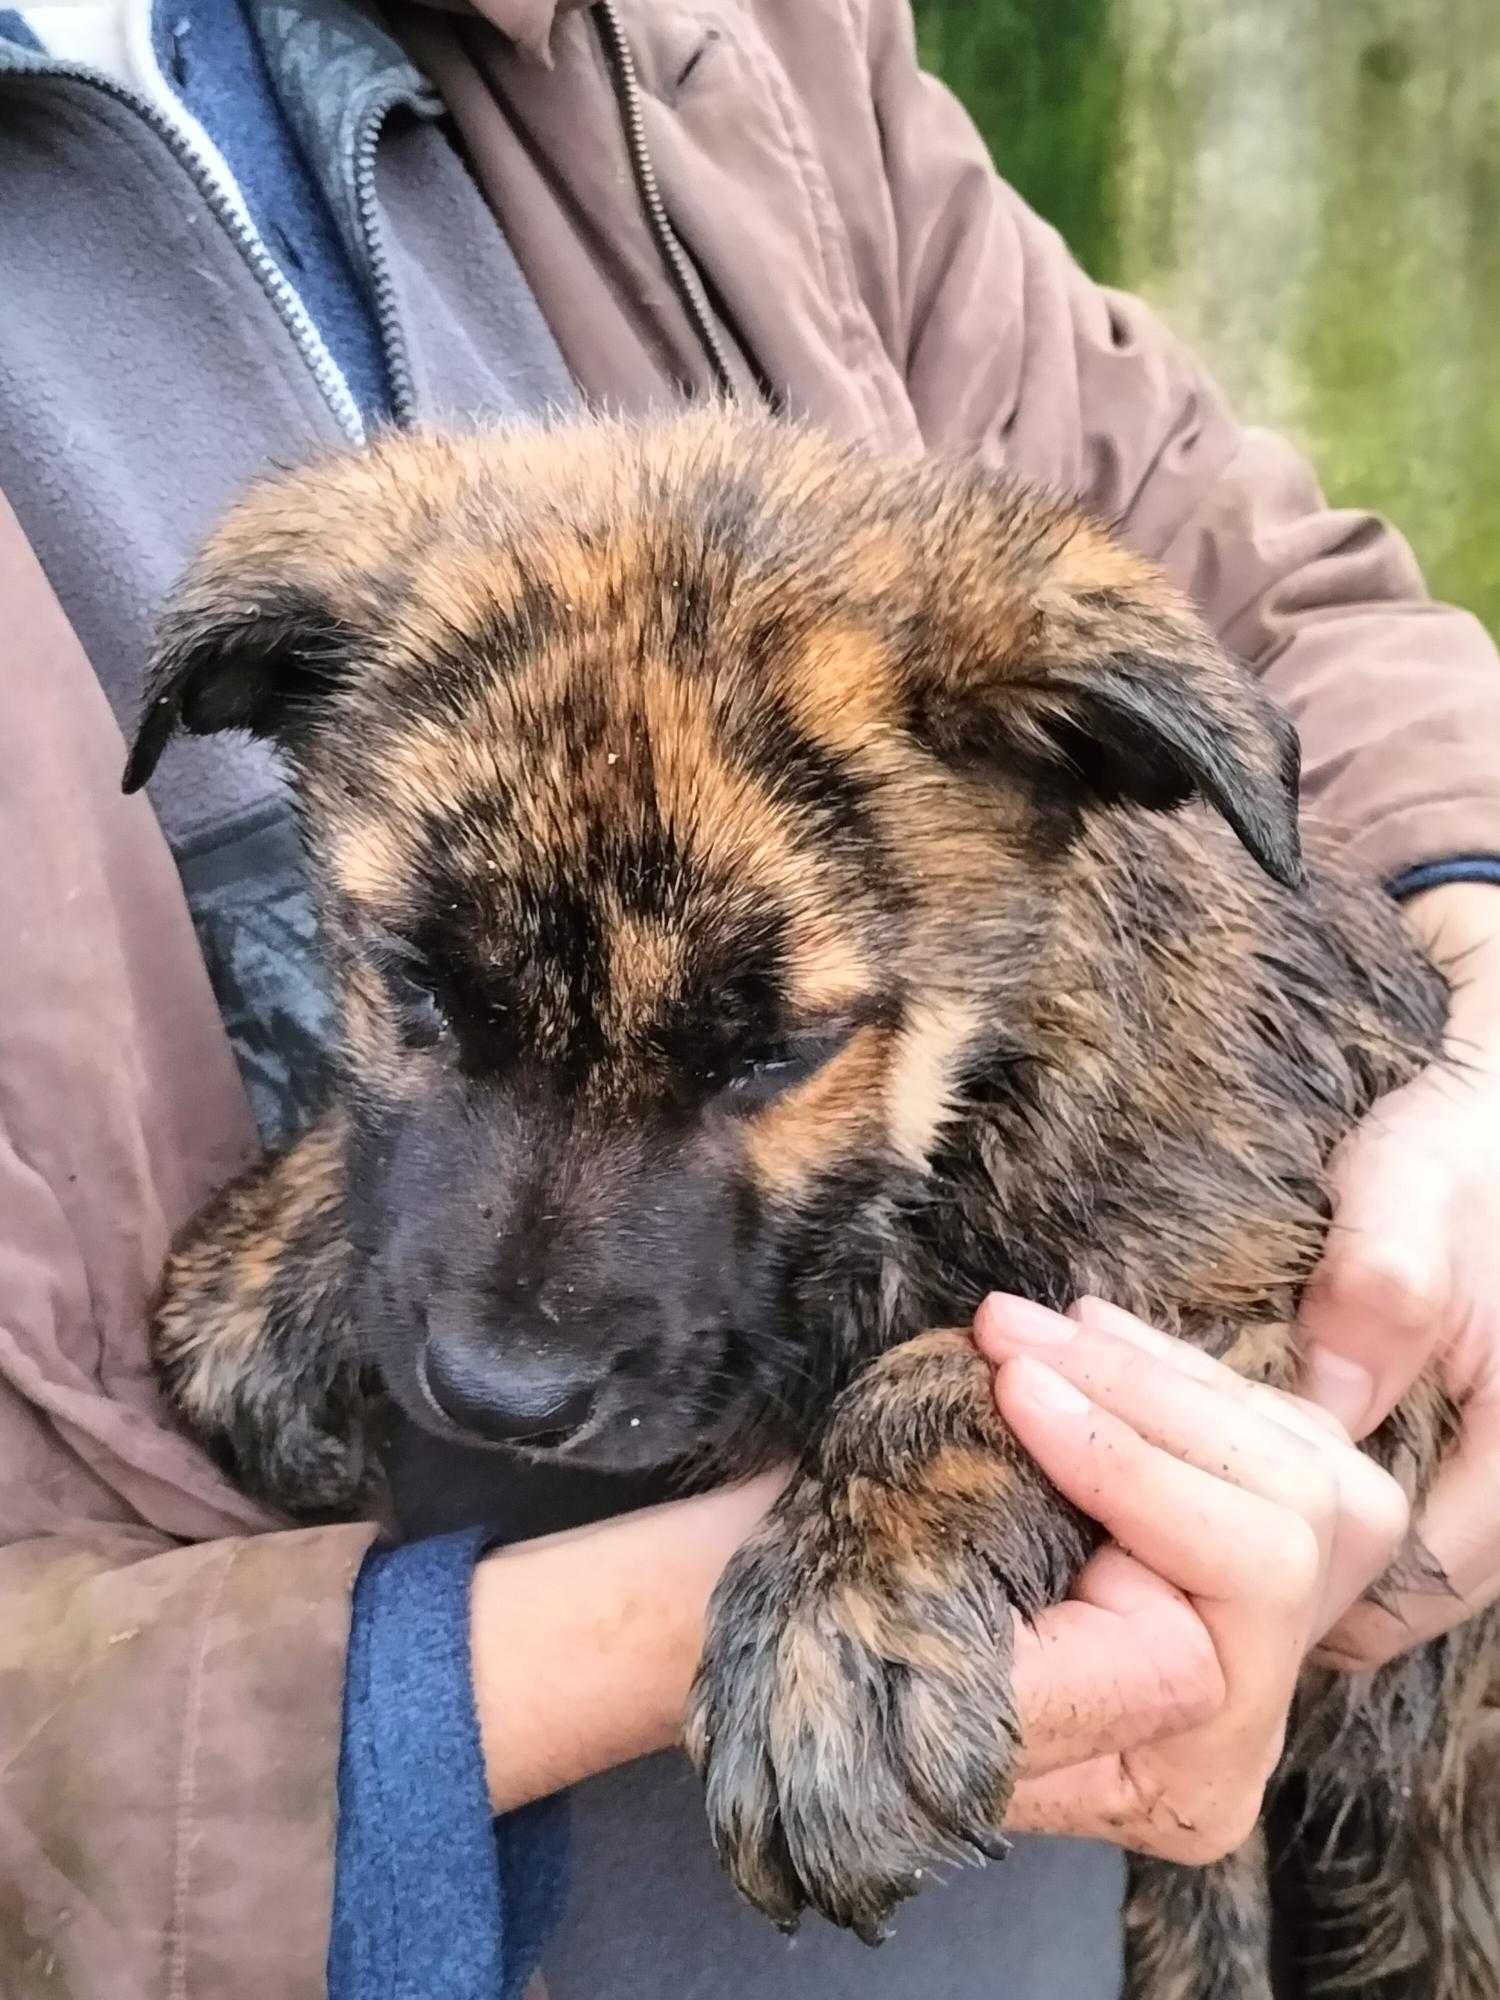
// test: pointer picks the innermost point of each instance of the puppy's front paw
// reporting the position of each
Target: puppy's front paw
(289, 1435)
(852, 1717)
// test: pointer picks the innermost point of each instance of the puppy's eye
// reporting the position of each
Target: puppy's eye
(767, 1072)
(419, 1013)
(421, 1018)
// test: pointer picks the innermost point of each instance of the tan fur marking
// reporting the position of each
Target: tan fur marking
(1089, 559)
(828, 972)
(958, 1476)
(921, 1081)
(370, 861)
(841, 688)
(802, 1134)
(1263, 1353)
(870, 1622)
(646, 960)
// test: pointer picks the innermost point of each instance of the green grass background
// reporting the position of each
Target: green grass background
(1309, 190)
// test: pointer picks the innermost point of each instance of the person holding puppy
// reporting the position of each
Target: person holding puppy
(226, 1743)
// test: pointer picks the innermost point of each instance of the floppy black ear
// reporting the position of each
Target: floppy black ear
(1158, 728)
(1067, 648)
(237, 653)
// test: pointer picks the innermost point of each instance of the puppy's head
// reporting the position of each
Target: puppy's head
(684, 803)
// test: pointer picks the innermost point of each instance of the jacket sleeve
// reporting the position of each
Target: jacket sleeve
(432, 1895)
(1008, 344)
(171, 1665)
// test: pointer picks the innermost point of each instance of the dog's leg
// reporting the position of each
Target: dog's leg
(251, 1337)
(1388, 1834)
(1394, 1859)
(1469, 1859)
(852, 1717)
(1199, 1933)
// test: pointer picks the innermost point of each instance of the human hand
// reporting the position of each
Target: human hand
(1243, 1524)
(1152, 1702)
(1411, 1279)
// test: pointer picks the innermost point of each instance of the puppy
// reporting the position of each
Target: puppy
(774, 896)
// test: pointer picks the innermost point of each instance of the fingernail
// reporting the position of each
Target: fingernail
(1341, 1386)
(1045, 1386)
(1011, 1319)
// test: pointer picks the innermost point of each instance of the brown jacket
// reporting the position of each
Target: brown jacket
(170, 1662)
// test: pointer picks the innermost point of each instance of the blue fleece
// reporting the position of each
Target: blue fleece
(1438, 874)
(431, 1895)
(212, 58)
(14, 27)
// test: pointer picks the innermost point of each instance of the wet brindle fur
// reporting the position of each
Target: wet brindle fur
(770, 902)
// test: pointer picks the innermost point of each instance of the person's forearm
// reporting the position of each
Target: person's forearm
(584, 1644)
(1459, 924)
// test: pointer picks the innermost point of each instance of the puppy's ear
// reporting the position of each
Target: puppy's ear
(273, 613)
(1071, 650)
(238, 648)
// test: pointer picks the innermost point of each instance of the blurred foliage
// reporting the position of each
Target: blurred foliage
(1042, 80)
(1309, 191)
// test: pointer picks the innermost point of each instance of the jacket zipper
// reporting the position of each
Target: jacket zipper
(684, 279)
(378, 264)
(288, 307)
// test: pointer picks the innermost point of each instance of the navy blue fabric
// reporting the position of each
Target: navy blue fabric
(13, 28)
(1437, 874)
(431, 1896)
(212, 58)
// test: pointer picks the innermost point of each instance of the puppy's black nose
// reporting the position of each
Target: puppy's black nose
(509, 1397)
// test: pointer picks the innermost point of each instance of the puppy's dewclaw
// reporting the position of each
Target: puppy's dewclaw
(775, 896)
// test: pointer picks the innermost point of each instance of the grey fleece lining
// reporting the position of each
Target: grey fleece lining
(123, 435)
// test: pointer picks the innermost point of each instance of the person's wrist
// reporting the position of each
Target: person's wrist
(583, 1645)
(693, 1541)
(1459, 925)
